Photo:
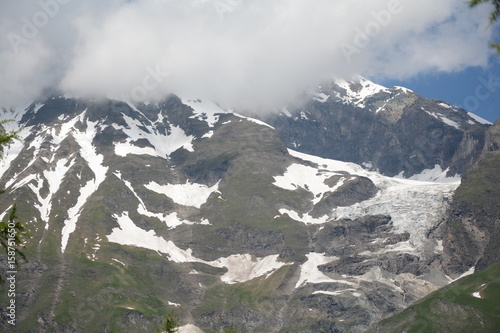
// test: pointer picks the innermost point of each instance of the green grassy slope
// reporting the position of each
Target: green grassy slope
(453, 308)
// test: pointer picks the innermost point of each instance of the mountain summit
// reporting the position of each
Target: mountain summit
(137, 209)
(393, 131)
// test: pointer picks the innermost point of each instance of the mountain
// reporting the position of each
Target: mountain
(470, 244)
(138, 209)
(393, 131)
(468, 305)
(471, 231)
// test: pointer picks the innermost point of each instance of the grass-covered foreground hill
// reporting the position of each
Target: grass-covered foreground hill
(470, 304)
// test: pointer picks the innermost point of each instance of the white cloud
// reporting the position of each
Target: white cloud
(253, 53)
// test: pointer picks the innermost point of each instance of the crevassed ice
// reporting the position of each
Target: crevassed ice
(414, 206)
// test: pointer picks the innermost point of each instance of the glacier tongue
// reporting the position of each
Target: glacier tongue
(414, 206)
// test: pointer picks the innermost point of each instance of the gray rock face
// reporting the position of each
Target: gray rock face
(471, 230)
(135, 210)
(390, 130)
(350, 192)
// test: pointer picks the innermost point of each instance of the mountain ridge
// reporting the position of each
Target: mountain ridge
(182, 205)
(362, 122)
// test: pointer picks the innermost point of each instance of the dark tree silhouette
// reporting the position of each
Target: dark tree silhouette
(493, 16)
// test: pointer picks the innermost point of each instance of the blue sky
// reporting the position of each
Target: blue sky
(476, 89)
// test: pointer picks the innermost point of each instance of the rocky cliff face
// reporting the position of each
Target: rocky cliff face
(138, 209)
(471, 248)
(472, 228)
(394, 131)
(467, 305)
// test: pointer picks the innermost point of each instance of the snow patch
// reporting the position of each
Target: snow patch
(171, 220)
(118, 261)
(163, 145)
(189, 194)
(476, 294)
(332, 293)
(433, 175)
(321, 97)
(204, 110)
(286, 113)
(309, 272)
(479, 119)
(190, 328)
(328, 165)
(405, 90)
(54, 178)
(304, 218)
(241, 267)
(129, 234)
(37, 107)
(308, 178)
(94, 162)
(450, 122)
(12, 151)
(445, 120)
(471, 271)
(260, 122)
(364, 89)
(376, 274)
(439, 247)
(208, 135)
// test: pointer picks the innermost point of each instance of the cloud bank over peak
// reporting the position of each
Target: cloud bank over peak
(242, 53)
